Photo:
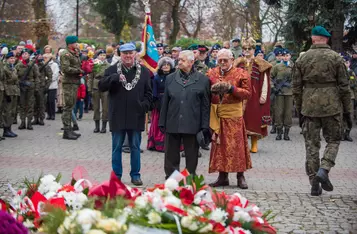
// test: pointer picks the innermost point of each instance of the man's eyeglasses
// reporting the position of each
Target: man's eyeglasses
(222, 60)
(248, 48)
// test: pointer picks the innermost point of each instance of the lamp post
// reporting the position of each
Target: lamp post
(77, 18)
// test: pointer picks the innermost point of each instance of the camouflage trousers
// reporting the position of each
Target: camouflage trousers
(331, 131)
(2, 96)
(272, 111)
(100, 99)
(9, 110)
(344, 125)
(70, 97)
(27, 100)
(283, 111)
(39, 107)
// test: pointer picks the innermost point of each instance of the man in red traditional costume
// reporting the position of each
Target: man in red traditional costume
(257, 109)
(230, 87)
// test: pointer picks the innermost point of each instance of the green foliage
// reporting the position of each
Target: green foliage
(53, 220)
(186, 42)
(91, 42)
(115, 13)
(9, 42)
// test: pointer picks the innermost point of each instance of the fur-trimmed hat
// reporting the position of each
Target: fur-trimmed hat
(165, 60)
(250, 42)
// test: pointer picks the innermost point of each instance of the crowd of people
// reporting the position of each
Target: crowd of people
(199, 96)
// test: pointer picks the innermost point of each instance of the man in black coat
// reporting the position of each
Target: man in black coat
(185, 111)
(130, 97)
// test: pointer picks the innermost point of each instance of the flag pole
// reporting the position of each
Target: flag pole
(147, 11)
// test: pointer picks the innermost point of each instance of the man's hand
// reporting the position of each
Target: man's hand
(347, 117)
(262, 100)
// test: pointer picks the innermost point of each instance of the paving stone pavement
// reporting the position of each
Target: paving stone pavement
(277, 180)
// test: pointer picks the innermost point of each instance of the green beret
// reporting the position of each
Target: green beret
(71, 39)
(320, 31)
(27, 50)
(193, 47)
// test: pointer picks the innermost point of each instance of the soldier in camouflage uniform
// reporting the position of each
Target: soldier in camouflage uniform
(2, 88)
(44, 81)
(71, 69)
(27, 88)
(199, 65)
(321, 92)
(98, 97)
(353, 90)
(277, 60)
(283, 101)
(12, 92)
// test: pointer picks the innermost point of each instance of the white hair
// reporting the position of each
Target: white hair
(226, 52)
(188, 54)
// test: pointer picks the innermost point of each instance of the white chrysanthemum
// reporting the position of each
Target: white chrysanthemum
(171, 184)
(86, 218)
(195, 211)
(50, 195)
(202, 195)
(141, 202)
(172, 200)
(186, 221)
(108, 225)
(154, 217)
(193, 226)
(96, 231)
(48, 179)
(157, 204)
(28, 224)
(218, 215)
(207, 228)
(241, 215)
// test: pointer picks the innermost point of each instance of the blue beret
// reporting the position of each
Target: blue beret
(13, 48)
(320, 31)
(10, 54)
(101, 52)
(278, 51)
(236, 40)
(27, 50)
(286, 51)
(127, 47)
(159, 45)
(71, 39)
(258, 51)
(3, 45)
(346, 58)
(216, 47)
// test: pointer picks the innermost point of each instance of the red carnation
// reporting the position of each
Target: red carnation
(186, 196)
(218, 228)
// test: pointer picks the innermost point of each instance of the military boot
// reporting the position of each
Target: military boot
(104, 127)
(40, 122)
(222, 180)
(347, 136)
(68, 135)
(29, 125)
(280, 134)
(241, 181)
(22, 125)
(75, 128)
(96, 129)
(286, 134)
(35, 121)
(315, 188)
(12, 132)
(7, 133)
(273, 129)
(322, 177)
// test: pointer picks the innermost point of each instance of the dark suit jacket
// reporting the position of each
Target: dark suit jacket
(127, 108)
(185, 107)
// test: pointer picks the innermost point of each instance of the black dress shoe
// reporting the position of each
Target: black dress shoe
(48, 118)
(205, 147)
(136, 182)
(126, 150)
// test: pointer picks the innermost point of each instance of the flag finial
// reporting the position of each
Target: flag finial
(147, 6)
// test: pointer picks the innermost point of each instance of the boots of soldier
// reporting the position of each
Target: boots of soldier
(241, 180)
(280, 134)
(40, 122)
(75, 128)
(35, 121)
(273, 129)
(22, 125)
(12, 132)
(96, 130)
(286, 134)
(29, 125)
(254, 142)
(347, 136)
(316, 189)
(222, 180)
(104, 127)
(7, 133)
(68, 135)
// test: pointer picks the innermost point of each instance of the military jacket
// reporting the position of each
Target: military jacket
(45, 75)
(237, 51)
(11, 80)
(201, 67)
(281, 78)
(32, 76)
(2, 87)
(70, 67)
(353, 83)
(320, 83)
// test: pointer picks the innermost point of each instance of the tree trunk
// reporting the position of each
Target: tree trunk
(256, 25)
(42, 29)
(337, 27)
(176, 22)
(2, 15)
